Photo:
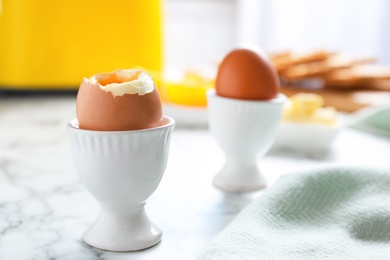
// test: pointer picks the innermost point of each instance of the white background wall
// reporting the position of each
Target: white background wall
(355, 27)
(197, 32)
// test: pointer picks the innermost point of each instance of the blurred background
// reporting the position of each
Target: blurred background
(333, 61)
(332, 48)
(200, 31)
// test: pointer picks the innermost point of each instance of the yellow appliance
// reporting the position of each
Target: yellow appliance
(53, 44)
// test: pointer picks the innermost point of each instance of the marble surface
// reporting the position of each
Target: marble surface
(44, 208)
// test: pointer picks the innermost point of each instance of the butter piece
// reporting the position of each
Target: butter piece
(307, 108)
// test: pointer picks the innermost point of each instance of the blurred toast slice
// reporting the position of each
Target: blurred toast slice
(347, 101)
(322, 68)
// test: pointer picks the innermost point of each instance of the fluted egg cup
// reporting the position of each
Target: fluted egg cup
(121, 169)
(245, 130)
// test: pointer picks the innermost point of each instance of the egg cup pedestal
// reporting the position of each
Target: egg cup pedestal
(121, 169)
(245, 131)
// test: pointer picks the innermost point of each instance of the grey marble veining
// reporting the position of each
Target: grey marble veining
(44, 208)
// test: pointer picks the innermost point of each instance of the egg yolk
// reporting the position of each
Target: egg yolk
(109, 78)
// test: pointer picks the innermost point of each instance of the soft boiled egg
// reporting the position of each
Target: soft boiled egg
(247, 74)
(118, 101)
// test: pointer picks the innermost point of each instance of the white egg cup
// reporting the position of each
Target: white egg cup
(245, 131)
(121, 169)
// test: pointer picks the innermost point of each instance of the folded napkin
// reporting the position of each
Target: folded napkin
(328, 213)
(373, 119)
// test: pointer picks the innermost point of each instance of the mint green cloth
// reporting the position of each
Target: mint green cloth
(375, 120)
(328, 213)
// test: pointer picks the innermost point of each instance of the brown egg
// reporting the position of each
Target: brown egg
(102, 104)
(247, 74)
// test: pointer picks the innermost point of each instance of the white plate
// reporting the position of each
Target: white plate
(300, 137)
(186, 116)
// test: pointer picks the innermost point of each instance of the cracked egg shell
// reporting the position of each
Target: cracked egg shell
(99, 108)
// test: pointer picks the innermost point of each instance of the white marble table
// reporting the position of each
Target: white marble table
(44, 209)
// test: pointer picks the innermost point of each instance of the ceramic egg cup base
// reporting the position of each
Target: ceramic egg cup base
(123, 232)
(239, 177)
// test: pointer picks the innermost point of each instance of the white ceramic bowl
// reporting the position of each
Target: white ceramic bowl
(306, 137)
